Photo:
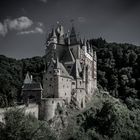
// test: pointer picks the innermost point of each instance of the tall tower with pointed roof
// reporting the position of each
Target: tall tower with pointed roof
(73, 36)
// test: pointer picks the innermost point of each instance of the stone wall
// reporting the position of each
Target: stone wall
(48, 82)
(80, 96)
(48, 106)
(64, 88)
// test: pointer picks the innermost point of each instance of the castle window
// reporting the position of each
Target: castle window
(52, 102)
(46, 79)
(69, 67)
(80, 90)
(50, 72)
(80, 82)
(50, 85)
(82, 105)
(65, 94)
(63, 86)
(62, 79)
(73, 83)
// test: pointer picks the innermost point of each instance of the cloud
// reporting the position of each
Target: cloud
(34, 31)
(40, 24)
(21, 25)
(81, 19)
(45, 1)
(3, 29)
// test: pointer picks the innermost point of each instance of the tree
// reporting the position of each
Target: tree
(20, 127)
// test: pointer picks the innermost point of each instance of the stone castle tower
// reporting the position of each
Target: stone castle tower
(70, 72)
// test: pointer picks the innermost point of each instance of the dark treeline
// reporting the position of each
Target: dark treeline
(118, 72)
(12, 74)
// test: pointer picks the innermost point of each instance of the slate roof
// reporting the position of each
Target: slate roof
(73, 37)
(63, 71)
(68, 57)
(32, 86)
(59, 65)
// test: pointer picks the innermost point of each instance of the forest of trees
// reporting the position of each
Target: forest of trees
(118, 72)
(20, 127)
(12, 74)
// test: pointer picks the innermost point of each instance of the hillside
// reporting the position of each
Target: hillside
(114, 111)
(104, 118)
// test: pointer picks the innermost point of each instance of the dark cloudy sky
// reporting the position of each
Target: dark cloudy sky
(25, 23)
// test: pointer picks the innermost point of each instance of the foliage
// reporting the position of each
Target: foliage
(12, 73)
(112, 121)
(20, 127)
(118, 68)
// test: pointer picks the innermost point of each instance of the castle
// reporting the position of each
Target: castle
(70, 74)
